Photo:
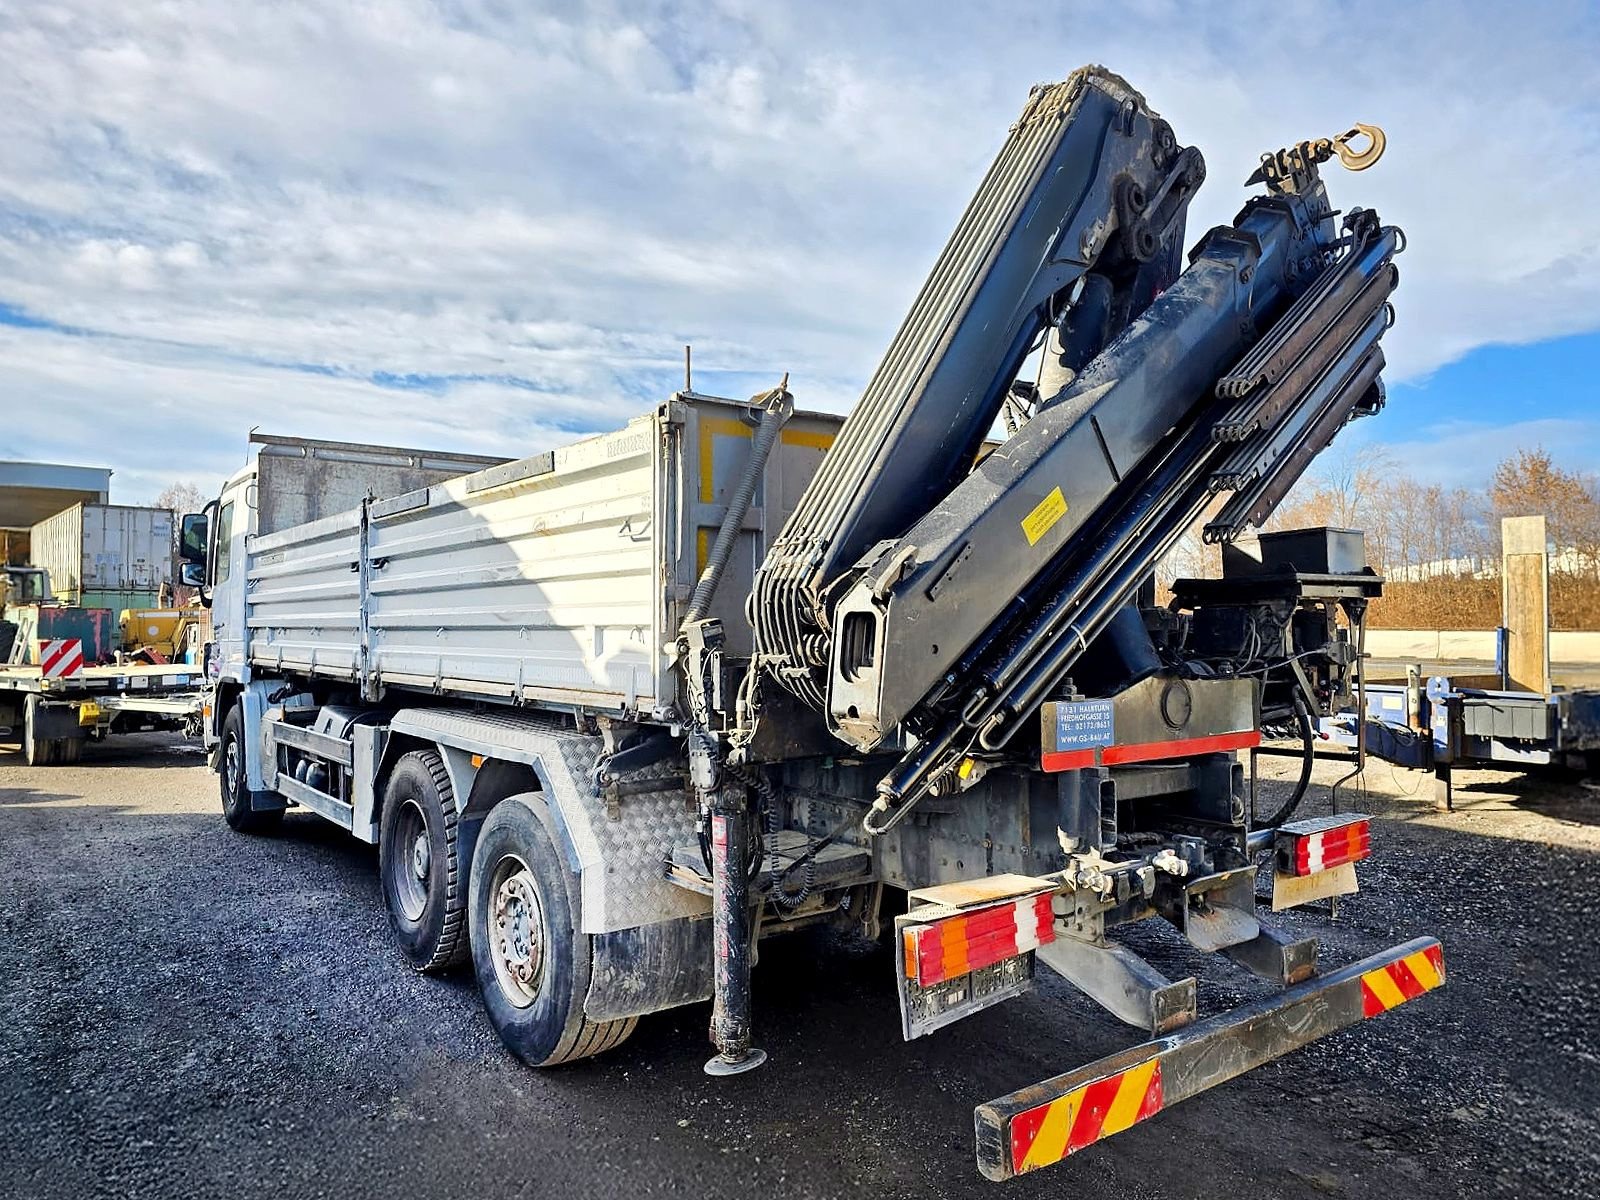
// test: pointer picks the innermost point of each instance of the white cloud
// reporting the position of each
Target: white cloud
(1456, 453)
(225, 193)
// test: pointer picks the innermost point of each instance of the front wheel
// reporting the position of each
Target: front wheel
(528, 952)
(235, 786)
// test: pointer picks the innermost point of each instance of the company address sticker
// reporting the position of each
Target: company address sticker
(1084, 725)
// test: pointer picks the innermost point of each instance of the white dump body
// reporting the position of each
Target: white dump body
(555, 579)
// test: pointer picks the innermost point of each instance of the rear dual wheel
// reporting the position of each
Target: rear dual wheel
(516, 918)
(528, 952)
(45, 752)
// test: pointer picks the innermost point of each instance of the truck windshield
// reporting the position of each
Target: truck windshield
(27, 587)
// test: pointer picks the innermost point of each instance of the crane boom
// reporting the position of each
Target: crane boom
(1087, 195)
(922, 601)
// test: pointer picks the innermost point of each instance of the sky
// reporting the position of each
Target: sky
(491, 225)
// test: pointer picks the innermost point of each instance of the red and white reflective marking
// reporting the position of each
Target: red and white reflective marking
(980, 937)
(1322, 849)
(61, 658)
(1117, 755)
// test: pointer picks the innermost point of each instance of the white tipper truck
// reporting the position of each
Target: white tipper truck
(615, 711)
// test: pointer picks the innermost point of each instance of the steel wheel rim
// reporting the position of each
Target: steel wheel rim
(230, 770)
(517, 934)
(411, 863)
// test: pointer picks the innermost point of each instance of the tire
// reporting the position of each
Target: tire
(234, 786)
(423, 887)
(524, 908)
(37, 751)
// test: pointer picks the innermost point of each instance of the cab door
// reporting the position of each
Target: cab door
(227, 577)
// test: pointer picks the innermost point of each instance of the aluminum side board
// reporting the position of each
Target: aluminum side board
(555, 579)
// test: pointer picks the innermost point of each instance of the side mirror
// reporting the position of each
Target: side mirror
(192, 574)
(194, 531)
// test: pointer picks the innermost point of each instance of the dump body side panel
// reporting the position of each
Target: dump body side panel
(556, 579)
(535, 579)
(303, 603)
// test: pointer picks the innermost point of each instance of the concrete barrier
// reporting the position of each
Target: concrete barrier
(1568, 647)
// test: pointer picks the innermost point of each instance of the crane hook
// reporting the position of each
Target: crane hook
(1360, 160)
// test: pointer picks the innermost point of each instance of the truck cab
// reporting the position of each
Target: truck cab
(288, 481)
(228, 521)
(24, 585)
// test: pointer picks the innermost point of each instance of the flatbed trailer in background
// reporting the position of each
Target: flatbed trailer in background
(1441, 723)
(1514, 717)
(53, 707)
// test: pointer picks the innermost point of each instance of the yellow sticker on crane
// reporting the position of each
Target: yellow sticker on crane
(1044, 516)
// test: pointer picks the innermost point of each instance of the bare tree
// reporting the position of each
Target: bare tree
(1529, 482)
(181, 496)
(1439, 547)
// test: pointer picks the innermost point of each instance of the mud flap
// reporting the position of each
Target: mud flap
(649, 969)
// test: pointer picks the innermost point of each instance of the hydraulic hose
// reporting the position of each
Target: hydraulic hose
(1308, 736)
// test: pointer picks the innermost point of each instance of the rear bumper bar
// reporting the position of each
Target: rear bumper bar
(1044, 1123)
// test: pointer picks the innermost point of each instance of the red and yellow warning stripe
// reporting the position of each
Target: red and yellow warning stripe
(1046, 1121)
(951, 947)
(1048, 1133)
(1402, 980)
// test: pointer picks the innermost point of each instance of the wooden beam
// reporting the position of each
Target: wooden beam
(1525, 603)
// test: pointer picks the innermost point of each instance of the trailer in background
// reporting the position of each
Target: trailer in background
(1514, 717)
(51, 708)
(72, 567)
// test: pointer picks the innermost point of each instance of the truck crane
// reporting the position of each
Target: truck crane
(617, 711)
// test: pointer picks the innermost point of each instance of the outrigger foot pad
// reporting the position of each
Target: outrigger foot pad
(751, 1059)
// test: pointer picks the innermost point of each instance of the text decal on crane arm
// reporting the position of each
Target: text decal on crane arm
(1044, 516)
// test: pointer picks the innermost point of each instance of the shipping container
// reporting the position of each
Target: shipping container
(112, 556)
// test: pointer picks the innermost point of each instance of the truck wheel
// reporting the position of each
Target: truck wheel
(422, 885)
(531, 960)
(236, 810)
(37, 751)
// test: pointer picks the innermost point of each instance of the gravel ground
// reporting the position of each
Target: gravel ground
(188, 1012)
